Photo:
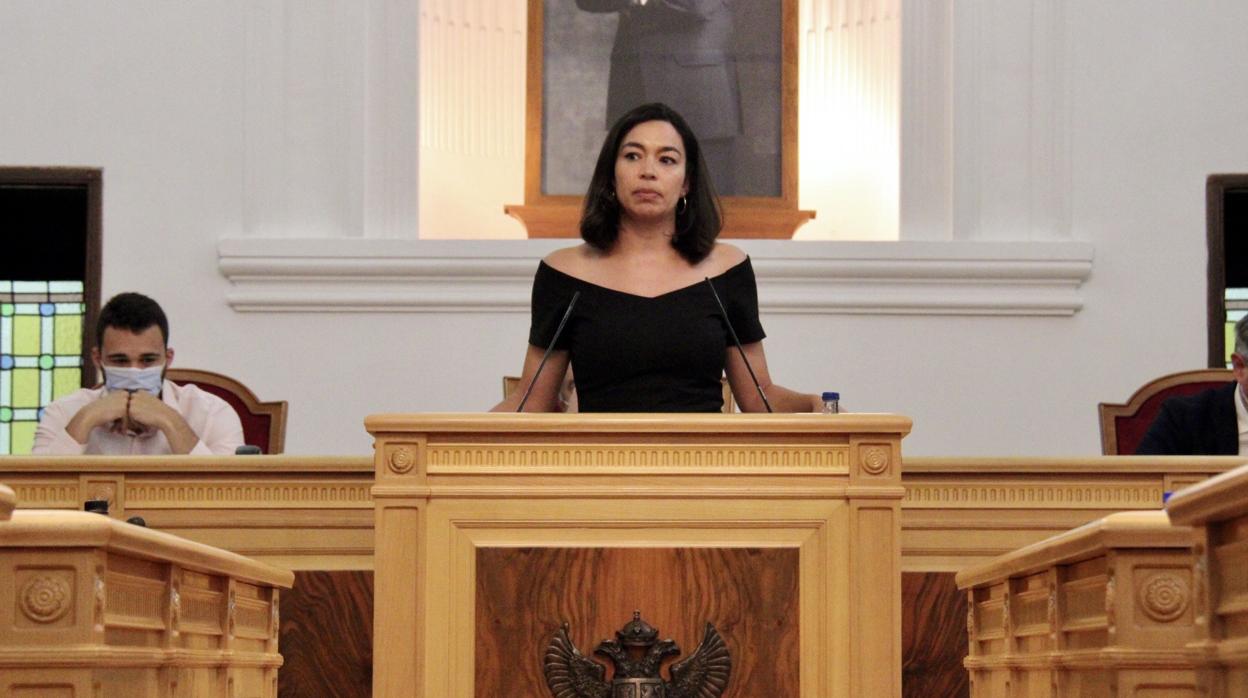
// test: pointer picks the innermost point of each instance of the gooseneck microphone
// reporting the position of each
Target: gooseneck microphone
(758, 386)
(558, 330)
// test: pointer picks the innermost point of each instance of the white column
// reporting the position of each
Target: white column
(330, 118)
(850, 115)
(926, 194)
(1011, 175)
(472, 97)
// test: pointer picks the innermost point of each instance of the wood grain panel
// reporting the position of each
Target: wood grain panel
(327, 636)
(933, 636)
(749, 594)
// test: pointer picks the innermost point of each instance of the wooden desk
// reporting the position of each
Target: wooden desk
(92, 606)
(1218, 511)
(311, 515)
(960, 512)
(315, 516)
(1101, 610)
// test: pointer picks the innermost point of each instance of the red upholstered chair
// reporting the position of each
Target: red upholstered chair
(264, 423)
(1123, 426)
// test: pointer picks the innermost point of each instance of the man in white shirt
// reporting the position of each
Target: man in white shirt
(136, 411)
(1211, 423)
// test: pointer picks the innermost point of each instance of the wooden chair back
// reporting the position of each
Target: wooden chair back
(1123, 425)
(264, 423)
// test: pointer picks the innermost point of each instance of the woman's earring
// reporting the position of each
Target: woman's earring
(682, 206)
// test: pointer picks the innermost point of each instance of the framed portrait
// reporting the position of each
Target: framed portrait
(729, 67)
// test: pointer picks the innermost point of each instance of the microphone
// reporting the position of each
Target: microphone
(741, 351)
(247, 450)
(558, 331)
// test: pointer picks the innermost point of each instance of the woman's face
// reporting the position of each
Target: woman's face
(650, 171)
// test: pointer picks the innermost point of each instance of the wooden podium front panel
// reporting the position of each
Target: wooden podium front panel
(750, 595)
(454, 490)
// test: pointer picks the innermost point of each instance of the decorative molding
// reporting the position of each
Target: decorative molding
(1064, 496)
(812, 278)
(100, 598)
(135, 602)
(200, 611)
(218, 495)
(402, 459)
(252, 618)
(1164, 597)
(475, 458)
(1111, 607)
(46, 598)
(47, 496)
(876, 458)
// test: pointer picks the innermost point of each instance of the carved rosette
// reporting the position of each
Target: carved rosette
(1164, 597)
(45, 599)
(105, 491)
(875, 459)
(402, 459)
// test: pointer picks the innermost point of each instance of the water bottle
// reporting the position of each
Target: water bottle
(831, 403)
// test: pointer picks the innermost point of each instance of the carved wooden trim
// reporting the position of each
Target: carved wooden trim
(233, 494)
(469, 458)
(46, 598)
(1164, 596)
(47, 496)
(876, 458)
(1065, 496)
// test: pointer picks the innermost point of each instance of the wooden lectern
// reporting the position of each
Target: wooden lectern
(492, 530)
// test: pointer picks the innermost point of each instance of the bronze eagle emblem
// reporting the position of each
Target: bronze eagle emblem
(637, 654)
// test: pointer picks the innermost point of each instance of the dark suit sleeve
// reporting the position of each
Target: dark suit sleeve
(1166, 436)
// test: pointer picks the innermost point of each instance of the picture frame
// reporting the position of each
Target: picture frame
(574, 90)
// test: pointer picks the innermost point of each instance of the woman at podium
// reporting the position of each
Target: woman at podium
(650, 311)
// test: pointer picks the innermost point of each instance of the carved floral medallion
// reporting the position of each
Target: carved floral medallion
(45, 599)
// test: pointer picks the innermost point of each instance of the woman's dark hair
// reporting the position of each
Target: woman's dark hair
(698, 221)
(133, 312)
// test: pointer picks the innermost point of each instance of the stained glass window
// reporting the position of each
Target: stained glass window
(40, 353)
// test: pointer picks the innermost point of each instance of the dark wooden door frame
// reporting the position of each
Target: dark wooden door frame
(92, 178)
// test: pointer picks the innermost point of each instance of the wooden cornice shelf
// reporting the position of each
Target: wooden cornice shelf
(743, 219)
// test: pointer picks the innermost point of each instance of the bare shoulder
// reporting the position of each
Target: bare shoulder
(724, 256)
(571, 260)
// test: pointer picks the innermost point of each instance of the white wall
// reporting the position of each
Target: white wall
(163, 96)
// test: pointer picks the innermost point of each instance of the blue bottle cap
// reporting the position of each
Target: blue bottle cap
(831, 396)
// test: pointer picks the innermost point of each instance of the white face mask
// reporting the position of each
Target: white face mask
(149, 379)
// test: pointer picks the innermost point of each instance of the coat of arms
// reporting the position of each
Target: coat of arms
(637, 654)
